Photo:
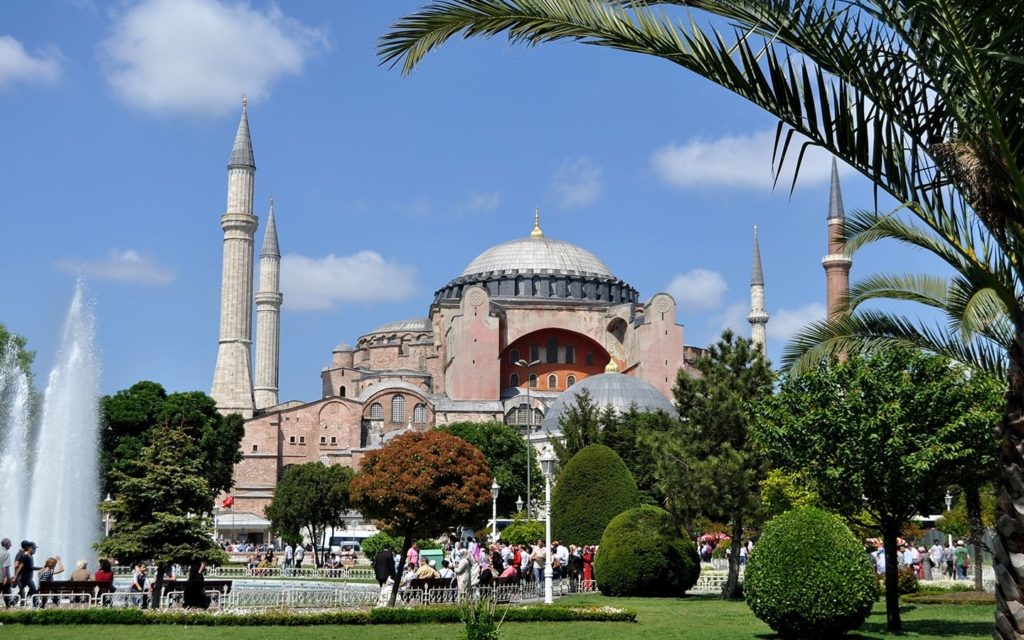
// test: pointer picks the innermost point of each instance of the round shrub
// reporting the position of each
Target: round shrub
(594, 487)
(808, 576)
(907, 581)
(523, 532)
(642, 553)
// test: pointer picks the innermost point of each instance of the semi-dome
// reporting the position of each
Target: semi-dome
(405, 326)
(538, 255)
(613, 388)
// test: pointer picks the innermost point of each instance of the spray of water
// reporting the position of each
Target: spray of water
(15, 416)
(63, 492)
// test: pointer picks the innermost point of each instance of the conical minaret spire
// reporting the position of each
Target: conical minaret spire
(758, 316)
(836, 264)
(232, 377)
(268, 317)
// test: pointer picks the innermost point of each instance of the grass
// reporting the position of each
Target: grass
(698, 618)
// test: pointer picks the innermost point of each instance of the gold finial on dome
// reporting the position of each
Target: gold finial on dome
(536, 233)
(611, 367)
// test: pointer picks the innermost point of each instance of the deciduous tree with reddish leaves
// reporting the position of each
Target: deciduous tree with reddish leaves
(420, 484)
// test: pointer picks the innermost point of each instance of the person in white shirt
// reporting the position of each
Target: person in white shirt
(935, 554)
(289, 554)
(562, 553)
(300, 552)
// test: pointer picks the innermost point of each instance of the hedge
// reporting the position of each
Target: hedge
(594, 487)
(644, 554)
(412, 615)
(808, 576)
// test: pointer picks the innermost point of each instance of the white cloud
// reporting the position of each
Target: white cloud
(698, 289)
(577, 183)
(734, 317)
(197, 57)
(738, 161)
(18, 65)
(478, 203)
(785, 323)
(319, 284)
(121, 266)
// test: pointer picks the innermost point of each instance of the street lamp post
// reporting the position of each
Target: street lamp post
(547, 465)
(529, 427)
(495, 487)
(106, 516)
(949, 507)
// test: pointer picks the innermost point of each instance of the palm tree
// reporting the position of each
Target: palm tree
(921, 96)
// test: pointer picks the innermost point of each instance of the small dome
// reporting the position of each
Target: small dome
(401, 326)
(614, 389)
(540, 255)
(343, 347)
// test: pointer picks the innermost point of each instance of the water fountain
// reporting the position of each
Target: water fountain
(15, 416)
(56, 488)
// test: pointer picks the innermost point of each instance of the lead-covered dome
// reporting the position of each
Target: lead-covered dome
(536, 268)
(538, 255)
(615, 389)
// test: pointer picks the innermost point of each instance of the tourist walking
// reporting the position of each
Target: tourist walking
(300, 555)
(588, 568)
(462, 574)
(963, 560)
(25, 569)
(289, 556)
(384, 565)
(935, 555)
(539, 557)
(6, 571)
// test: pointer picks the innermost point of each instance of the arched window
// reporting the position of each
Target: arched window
(513, 357)
(552, 381)
(341, 391)
(398, 409)
(552, 350)
(533, 380)
(569, 381)
(376, 411)
(589, 359)
(534, 352)
(513, 380)
(523, 415)
(570, 354)
(419, 414)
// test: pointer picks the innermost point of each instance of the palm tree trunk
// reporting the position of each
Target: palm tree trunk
(1008, 551)
(972, 499)
(730, 590)
(892, 578)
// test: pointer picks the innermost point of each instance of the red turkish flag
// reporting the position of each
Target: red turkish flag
(227, 502)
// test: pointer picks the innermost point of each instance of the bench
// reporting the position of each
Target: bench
(79, 590)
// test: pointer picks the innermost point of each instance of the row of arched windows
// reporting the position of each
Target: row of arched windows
(513, 381)
(419, 412)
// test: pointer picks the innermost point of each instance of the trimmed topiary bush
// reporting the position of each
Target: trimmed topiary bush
(594, 487)
(809, 577)
(642, 553)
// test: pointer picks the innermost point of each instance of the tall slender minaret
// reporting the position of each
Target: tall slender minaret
(836, 264)
(232, 377)
(757, 317)
(268, 317)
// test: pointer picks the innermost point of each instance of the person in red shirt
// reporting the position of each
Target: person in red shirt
(105, 573)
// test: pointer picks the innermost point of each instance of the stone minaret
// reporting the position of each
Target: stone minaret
(837, 264)
(757, 317)
(232, 377)
(268, 317)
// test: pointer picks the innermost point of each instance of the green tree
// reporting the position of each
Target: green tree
(311, 497)
(505, 451)
(875, 435)
(422, 484)
(781, 492)
(594, 487)
(523, 531)
(912, 94)
(130, 415)
(708, 464)
(18, 343)
(580, 425)
(624, 434)
(160, 503)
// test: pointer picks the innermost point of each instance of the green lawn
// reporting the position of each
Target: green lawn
(689, 619)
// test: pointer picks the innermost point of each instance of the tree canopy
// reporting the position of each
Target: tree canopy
(708, 464)
(876, 435)
(311, 497)
(160, 504)
(18, 345)
(505, 450)
(422, 484)
(594, 487)
(130, 415)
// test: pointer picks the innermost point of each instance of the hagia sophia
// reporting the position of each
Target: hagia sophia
(526, 325)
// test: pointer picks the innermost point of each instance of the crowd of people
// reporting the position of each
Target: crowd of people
(468, 564)
(19, 575)
(951, 561)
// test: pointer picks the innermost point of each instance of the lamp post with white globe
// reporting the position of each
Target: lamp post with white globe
(495, 488)
(547, 465)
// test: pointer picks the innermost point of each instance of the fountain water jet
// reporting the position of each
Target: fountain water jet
(15, 416)
(63, 496)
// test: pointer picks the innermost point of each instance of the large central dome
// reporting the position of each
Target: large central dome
(539, 255)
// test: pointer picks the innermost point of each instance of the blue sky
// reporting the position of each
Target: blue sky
(118, 119)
